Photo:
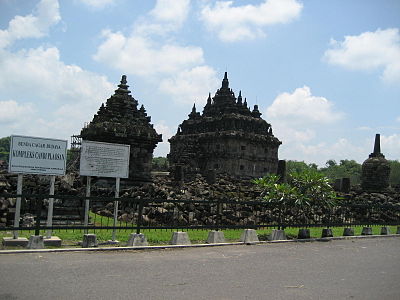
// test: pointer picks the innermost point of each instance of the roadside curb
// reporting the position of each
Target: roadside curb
(159, 247)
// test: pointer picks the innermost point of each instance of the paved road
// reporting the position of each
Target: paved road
(346, 269)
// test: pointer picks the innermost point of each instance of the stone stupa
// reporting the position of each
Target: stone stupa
(375, 170)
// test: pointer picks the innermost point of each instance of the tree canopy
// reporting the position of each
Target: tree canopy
(4, 148)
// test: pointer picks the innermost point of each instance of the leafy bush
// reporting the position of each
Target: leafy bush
(306, 196)
(308, 188)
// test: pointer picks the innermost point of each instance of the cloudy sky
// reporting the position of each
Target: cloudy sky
(325, 74)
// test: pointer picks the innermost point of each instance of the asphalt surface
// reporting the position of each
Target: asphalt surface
(342, 269)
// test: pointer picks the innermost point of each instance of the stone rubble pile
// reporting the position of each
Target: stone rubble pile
(169, 202)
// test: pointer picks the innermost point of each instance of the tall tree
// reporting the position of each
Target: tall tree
(5, 148)
(394, 172)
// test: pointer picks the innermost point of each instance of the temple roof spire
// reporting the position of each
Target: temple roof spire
(239, 99)
(377, 147)
(225, 81)
(194, 113)
(123, 87)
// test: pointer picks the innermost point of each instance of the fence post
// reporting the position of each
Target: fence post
(219, 215)
(51, 207)
(140, 216)
(88, 187)
(38, 215)
(114, 233)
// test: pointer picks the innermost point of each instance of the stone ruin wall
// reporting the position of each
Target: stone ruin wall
(166, 213)
(239, 157)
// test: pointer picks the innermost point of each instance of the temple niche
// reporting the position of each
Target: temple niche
(121, 121)
(227, 137)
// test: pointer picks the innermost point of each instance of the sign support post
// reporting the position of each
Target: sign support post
(18, 205)
(86, 222)
(117, 183)
(51, 205)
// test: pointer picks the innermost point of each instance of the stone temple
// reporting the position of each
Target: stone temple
(375, 171)
(121, 121)
(227, 137)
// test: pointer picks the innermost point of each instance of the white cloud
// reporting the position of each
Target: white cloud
(369, 51)
(235, 23)
(34, 25)
(142, 56)
(390, 146)
(162, 128)
(302, 107)
(40, 72)
(65, 95)
(97, 4)
(299, 119)
(151, 53)
(192, 85)
(167, 16)
(11, 111)
(171, 10)
(320, 153)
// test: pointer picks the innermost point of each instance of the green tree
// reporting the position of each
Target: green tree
(394, 172)
(5, 148)
(346, 168)
(160, 164)
(293, 166)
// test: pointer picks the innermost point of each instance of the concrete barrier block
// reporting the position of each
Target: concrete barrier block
(10, 241)
(180, 238)
(385, 230)
(215, 237)
(304, 233)
(35, 242)
(327, 232)
(137, 239)
(249, 236)
(277, 235)
(89, 241)
(53, 241)
(366, 231)
(348, 231)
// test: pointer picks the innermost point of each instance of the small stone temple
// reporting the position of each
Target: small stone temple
(375, 170)
(121, 121)
(227, 137)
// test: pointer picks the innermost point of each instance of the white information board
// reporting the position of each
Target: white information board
(35, 155)
(104, 159)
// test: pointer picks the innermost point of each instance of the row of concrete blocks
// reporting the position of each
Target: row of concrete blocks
(139, 239)
(348, 231)
(178, 238)
(248, 236)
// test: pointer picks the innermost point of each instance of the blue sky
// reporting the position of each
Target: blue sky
(325, 74)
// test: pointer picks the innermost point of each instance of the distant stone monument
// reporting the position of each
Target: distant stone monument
(120, 121)
(227, 137)
(375, 170)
